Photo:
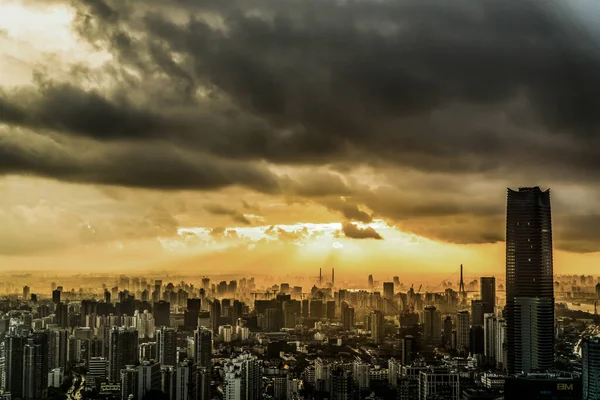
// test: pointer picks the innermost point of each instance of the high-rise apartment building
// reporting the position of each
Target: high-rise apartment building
(149, 378)
(529, 281)
(123, 350)
(203, 347)
(342, 385)
(242, 378)
(166, 340)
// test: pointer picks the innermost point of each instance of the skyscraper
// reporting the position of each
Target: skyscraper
(215, 315)
(490, 337)
(590, 350)
(477, 308)
(15, 345)
(162, 313)
(529, 281)
(342, 385)
(377, 326)
(242, 378)
(123, 350)
(166, 339)
(32, 366)
(463, 320)
(347, 316)
(203, 353)
(388, 290)
(487, 286)
(432, 330)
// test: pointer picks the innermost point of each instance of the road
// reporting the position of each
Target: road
(75, 391)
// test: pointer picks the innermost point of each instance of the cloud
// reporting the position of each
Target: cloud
(348, 209)
(235, 215)
(353, 231)
(290, 98)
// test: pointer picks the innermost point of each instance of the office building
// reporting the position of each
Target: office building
(490, 335)
(97, 372)
(463, 320)
(477, 311)
(529, 281)
(543, 386)
(215, 315)
(56, 296)
(408, 348)
(432, 325)
(347, 316)
(438, 384)
(388, 290)
(377, 326)
(162, 313)
(32, 369)
(14, 348)
(203, 379)
(487, 286)
(590, 354)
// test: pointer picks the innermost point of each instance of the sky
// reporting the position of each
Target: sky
(282, 136)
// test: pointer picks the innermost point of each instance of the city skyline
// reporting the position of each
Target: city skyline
(299, 199)
(127, 143)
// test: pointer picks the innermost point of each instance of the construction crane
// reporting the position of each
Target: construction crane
(411, 297)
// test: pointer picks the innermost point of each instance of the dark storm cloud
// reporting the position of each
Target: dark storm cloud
(362, 78)
(126, 164)
(352, 231)
(496, 90)
(234, 214)
(348, 209)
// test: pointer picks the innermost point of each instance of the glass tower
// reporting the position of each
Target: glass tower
(529, 281)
